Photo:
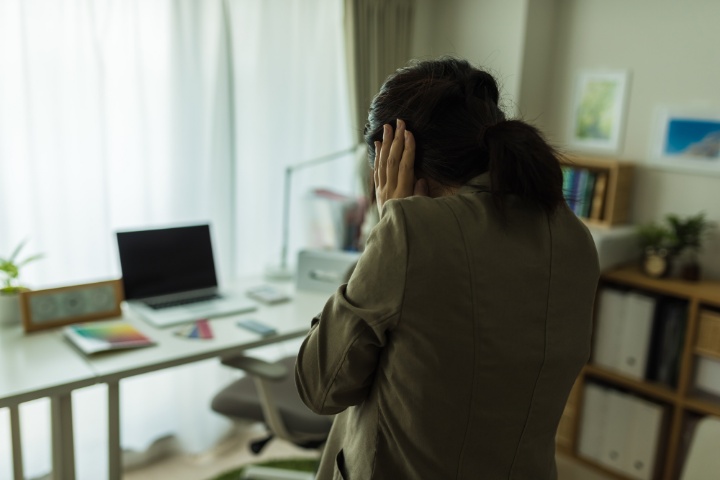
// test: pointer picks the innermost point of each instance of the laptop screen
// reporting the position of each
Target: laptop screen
(165, 261)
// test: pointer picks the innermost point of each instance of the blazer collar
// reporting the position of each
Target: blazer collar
(481, 183)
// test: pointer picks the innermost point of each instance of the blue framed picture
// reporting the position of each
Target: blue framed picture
(687, 141)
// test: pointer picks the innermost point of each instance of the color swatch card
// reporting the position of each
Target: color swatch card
(103, 336)
(197, 329)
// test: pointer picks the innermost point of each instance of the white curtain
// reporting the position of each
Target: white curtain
(119, 114)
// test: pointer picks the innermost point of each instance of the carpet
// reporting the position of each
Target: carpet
(297, 464)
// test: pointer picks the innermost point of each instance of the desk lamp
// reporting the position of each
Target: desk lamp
(283, 271)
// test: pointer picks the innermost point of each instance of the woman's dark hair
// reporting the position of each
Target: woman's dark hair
(460, 131)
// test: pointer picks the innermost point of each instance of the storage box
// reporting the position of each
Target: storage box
(324, 270)
(707, 341)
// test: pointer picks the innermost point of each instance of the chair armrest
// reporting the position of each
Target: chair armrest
(256, 367)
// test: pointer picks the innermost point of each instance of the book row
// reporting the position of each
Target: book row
(584, 191)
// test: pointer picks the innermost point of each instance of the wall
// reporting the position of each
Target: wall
(488, 33)
(670, 47)
(537, 47)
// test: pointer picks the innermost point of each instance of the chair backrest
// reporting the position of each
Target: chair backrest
(703, 461)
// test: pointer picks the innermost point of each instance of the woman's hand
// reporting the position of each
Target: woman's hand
(394, 171)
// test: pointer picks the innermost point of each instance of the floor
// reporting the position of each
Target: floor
(234, 452)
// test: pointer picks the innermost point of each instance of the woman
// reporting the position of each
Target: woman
(451, 351)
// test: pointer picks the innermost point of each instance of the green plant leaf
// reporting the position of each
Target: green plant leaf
(30, 259)
(17, 251)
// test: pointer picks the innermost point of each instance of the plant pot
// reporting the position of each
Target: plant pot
(9, 309)
(690, 266)
(690, 271)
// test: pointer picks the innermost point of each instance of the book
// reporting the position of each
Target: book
(97, 337)
(578, 193)
(598, 199)
(334, 220)
(570, 177)
(588, 195)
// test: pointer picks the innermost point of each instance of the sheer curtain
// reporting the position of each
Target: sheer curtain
(120, 114)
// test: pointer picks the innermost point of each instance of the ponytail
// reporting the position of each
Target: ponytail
(522, 163)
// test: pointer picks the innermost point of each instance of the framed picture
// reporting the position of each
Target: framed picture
(686, 140)
(598, 110)
(55, 307)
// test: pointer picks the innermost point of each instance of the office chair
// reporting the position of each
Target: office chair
(268, 394)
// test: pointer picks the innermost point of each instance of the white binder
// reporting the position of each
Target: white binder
(636, 331)
(609, 328)
(643, 438)
(615, 442)
(592, 429)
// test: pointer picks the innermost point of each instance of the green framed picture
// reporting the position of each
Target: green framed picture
(598, 110)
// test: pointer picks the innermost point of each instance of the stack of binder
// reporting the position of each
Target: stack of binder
(621, 432)
(639, 335)
(624, 328)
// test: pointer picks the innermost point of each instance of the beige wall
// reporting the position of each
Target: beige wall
(489, 33)
(537, 46)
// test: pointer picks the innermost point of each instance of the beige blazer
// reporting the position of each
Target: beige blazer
(451, 351)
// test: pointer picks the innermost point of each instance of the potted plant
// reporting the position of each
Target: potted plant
(688, 234)
(10, 286)
(656, 241)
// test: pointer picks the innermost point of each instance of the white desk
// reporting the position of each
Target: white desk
(36, 366)
(44, 364)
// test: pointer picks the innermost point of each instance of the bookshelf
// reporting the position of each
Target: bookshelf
(598, 190)
(683, 401)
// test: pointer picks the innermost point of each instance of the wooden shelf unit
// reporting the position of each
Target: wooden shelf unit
(681, 400)
(615, 207)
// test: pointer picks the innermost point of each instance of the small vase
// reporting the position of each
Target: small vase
(9, 309)
(657, 262)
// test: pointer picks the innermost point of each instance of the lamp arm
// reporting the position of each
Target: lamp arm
(289, 170)
(286, 218)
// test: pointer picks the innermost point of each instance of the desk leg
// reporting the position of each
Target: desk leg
(63, 448)
(18, 473)
(115, 452)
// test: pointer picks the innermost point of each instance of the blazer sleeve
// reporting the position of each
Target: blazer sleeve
(336, 365)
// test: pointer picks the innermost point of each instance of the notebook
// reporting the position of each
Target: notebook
(169, 278)
(103, 336)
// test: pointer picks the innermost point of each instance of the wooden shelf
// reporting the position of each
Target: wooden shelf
(706, 353)
(681, 401)
(703, 403)
(601, 468)
(706, 291)
(654, 390)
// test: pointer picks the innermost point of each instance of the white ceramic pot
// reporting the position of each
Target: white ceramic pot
(9, 309)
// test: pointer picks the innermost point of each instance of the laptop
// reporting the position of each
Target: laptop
(169, 276)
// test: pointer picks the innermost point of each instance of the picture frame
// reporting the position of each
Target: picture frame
(598, 110)
(686, 139)
(57, 307)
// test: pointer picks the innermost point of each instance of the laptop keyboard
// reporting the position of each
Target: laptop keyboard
(184, 301)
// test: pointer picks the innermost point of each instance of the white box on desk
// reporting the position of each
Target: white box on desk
(324, 270)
